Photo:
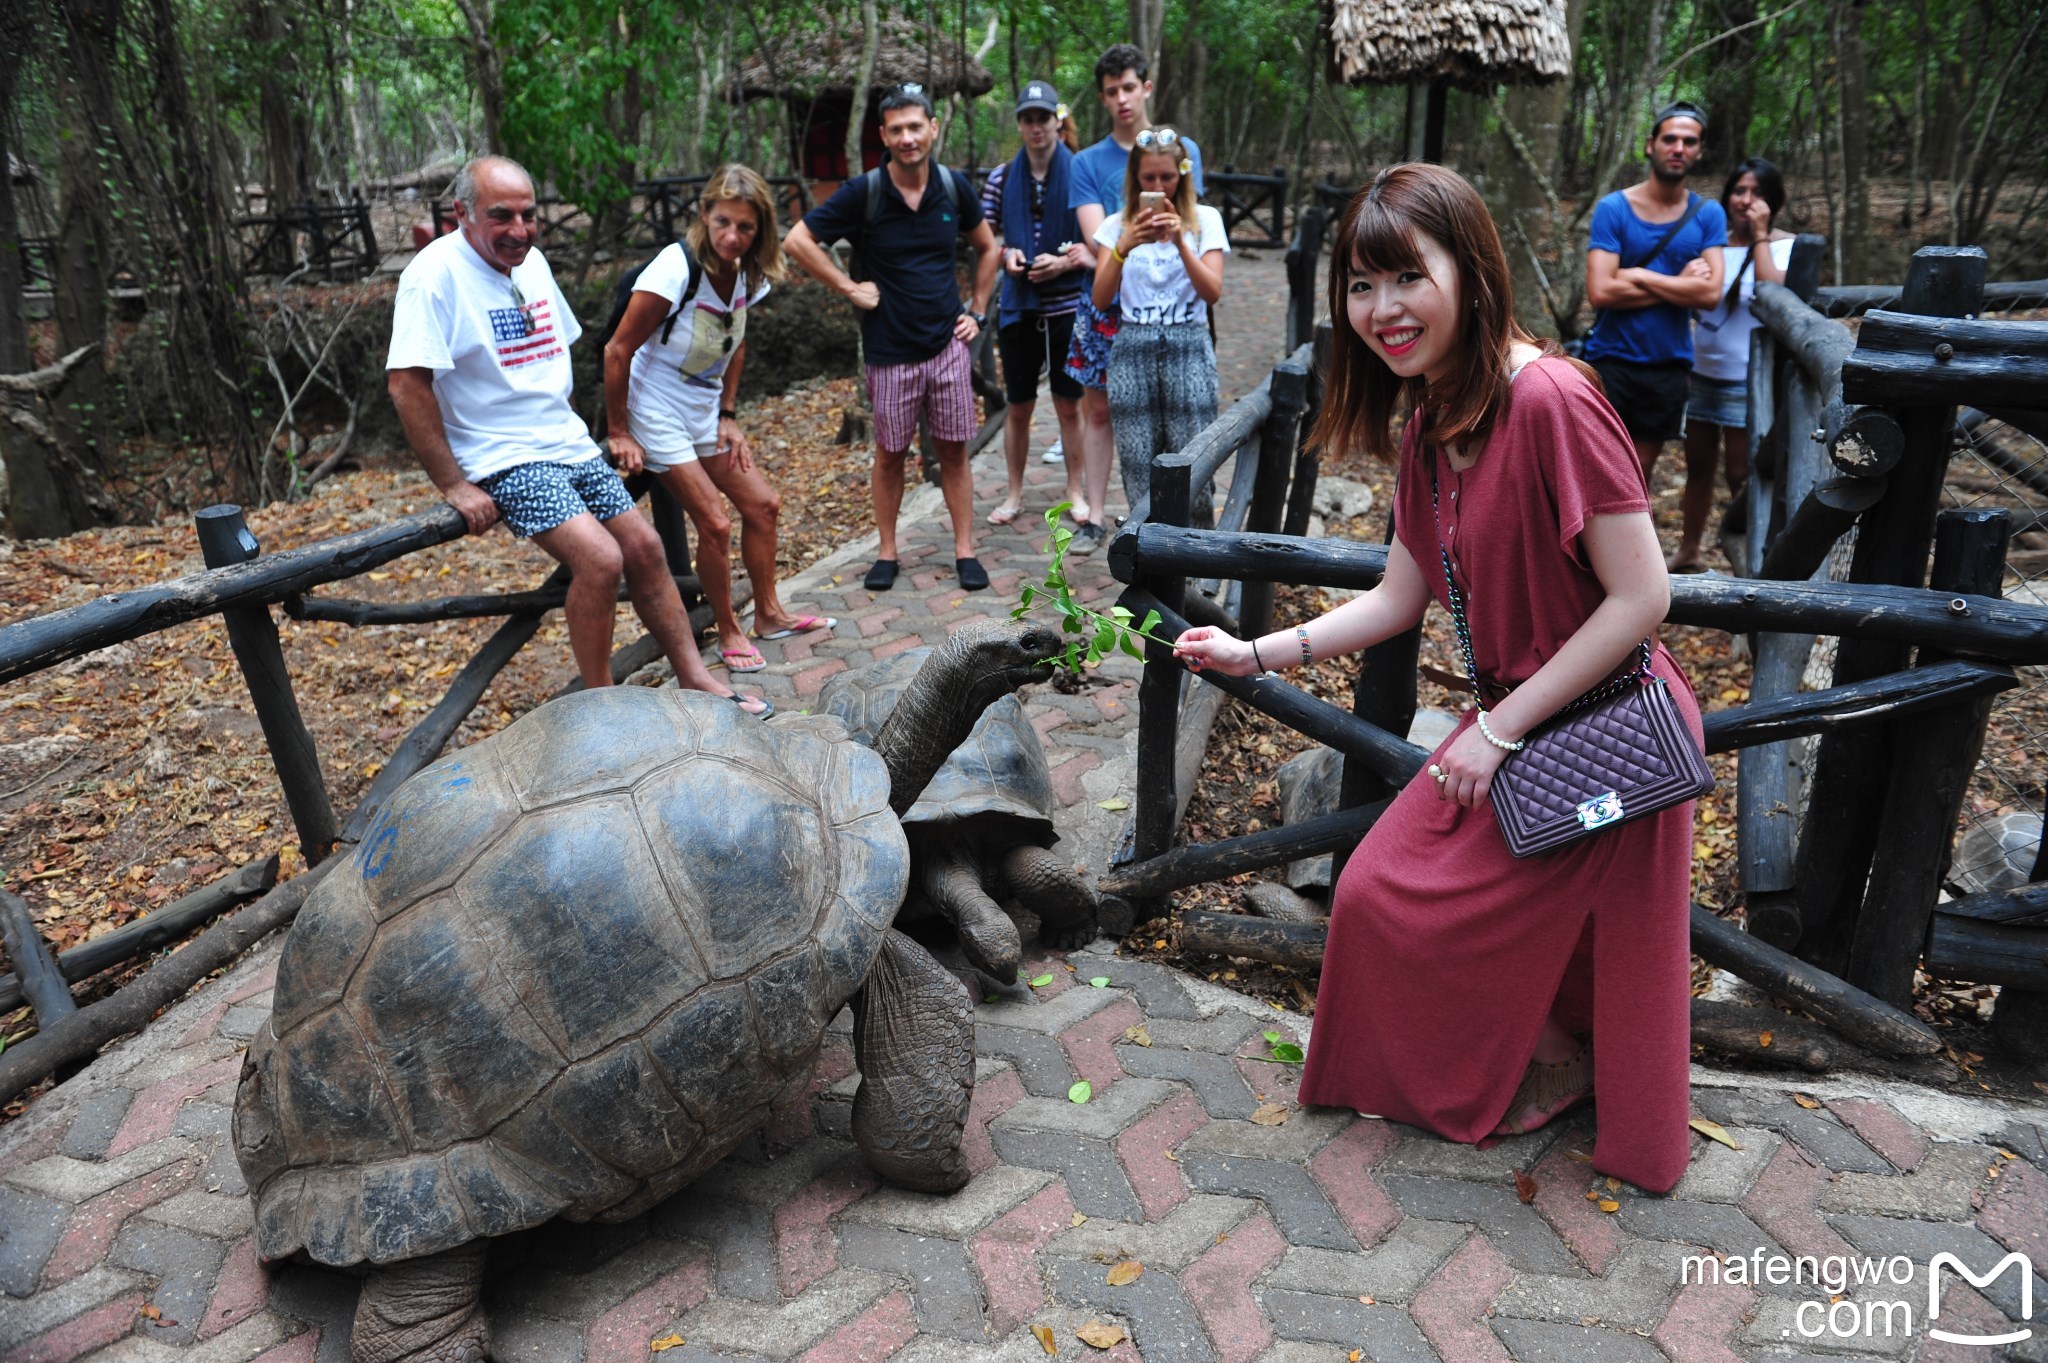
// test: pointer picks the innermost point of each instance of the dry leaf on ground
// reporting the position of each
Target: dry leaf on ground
(1809, 1103)
(1713, 1131)
(1099, 1335)
(1270, 1114)
(1525, 1187)
(1125, 1273)
(1045, 1341)
(665, 1343)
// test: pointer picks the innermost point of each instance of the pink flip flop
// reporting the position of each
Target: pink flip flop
(745, 658)
(804, 625)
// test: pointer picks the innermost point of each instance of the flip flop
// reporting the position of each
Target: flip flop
(767, 706)
(1004, 514)
(745, 658)
(1079, 513)
(804, 625)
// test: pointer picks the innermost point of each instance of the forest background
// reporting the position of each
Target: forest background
(157, 373)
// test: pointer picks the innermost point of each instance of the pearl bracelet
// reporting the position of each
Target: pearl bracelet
(1487, 733)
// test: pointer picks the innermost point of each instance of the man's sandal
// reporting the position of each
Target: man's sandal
(1550, 1088)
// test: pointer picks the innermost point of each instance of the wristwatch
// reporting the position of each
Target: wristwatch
(728, 414)
(980, 318)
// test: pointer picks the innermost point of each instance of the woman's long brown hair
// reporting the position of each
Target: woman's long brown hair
(1381, 231)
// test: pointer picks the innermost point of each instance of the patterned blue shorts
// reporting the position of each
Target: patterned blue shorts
(535, 498)
(1094, 331)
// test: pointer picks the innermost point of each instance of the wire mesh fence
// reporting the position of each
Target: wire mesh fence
(1998, 842)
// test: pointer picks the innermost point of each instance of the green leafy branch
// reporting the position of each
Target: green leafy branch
(1096, 634)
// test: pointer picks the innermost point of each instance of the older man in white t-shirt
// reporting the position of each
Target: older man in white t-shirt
(479, 372)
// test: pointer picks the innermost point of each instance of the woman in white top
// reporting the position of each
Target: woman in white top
(1717, 407)
(671, 384)
(1164, 261)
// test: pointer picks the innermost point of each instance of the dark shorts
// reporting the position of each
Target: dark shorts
(1026, 344)
(536, 498)
(1649, 398)
(1094, 333)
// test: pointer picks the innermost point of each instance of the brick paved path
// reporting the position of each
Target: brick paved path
(125, 1229)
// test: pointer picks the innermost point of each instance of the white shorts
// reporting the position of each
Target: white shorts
(661, 461)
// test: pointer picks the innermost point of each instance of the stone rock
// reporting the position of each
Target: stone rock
(1341, 498)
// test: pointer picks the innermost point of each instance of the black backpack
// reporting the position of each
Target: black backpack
(957, 189)
(623, 294)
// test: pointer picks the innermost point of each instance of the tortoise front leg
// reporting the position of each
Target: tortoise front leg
(913, 1038)
(426, 1310)
(1051, 888)
(953, 884)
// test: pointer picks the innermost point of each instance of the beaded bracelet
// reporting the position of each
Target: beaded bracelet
(1307, 657)
(1487, 733)
(1255, 656)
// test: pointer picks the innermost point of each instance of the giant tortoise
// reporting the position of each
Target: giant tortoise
(982, 827)
(576, 963)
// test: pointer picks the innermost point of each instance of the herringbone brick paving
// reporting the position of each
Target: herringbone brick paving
(125, 1228)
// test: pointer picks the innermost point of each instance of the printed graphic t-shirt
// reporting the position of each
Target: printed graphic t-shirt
(673, 398)
(1156, 289)
(501, 370)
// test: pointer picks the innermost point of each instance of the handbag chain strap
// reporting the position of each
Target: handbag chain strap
(1606, 690)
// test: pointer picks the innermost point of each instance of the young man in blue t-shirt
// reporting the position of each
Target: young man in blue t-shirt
(1095, 189)
(1645, 277)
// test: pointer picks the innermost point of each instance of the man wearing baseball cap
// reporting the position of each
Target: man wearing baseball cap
(1044, 265)
(1653, 255)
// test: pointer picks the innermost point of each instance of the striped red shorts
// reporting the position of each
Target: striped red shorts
(939, 389)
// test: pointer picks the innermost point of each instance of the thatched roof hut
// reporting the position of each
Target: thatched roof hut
(825, 68)
(1473, 44)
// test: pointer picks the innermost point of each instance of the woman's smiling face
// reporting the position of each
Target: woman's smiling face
(1410, 318)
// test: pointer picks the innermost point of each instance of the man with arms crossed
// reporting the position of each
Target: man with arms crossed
(1654, 254)
(1123, 83)
(479, 373)
(913, 332)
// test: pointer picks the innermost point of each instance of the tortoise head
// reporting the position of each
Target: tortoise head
(983, 661)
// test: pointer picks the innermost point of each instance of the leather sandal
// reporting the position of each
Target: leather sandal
(1552, 1088)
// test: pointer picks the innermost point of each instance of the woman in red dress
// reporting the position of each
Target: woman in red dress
(1463, 990)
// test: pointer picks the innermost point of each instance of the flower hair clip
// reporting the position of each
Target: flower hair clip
(1185, 166)
(1060, 112)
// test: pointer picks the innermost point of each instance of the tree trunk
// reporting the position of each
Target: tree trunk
(15, 37)
(489, 70)
(1145, 19)
(1853, 110)
(857, 110)
(281, 105)
(1731, 88)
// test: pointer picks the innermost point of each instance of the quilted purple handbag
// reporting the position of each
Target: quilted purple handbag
(1619, 752)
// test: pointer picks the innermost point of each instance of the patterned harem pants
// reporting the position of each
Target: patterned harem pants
(1162, 392)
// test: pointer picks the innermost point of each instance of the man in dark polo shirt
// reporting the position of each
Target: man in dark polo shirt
(912, 328)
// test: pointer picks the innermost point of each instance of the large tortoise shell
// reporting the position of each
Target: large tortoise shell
(567, 970)
(999, 771)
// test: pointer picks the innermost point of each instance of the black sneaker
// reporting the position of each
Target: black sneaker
(1086, 540)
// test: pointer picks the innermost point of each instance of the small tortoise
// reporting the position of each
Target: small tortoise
(982, 826)
(576, 963)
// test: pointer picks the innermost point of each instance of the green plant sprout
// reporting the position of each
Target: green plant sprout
(1097, 634)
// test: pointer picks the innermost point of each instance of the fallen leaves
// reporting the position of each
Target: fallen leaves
(1270, 1114)
(1806, 1101)
(1137, 1035)
(1079, 1219)
(1125, 1273)
(1081, 1092)
(1113, 805)
(1609, 1205)
(1764, 1038)
(1099, 1335)
(665, 1343)
(1100, 981)
(1713, 1131)
(1041, 981)
(1045, 1339)
(1525, 1188)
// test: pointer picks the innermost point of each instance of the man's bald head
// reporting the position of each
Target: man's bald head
(489, 173)
(495, 206)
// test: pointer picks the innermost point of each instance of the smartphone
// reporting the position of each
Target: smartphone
(1151, 201)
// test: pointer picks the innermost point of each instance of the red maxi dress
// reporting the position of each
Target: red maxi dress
(1445, 952)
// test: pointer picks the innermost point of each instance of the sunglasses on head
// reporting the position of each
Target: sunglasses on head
(525, 308)
(1158, 137)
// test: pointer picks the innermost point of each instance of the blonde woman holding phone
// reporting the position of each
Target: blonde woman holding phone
(1165, 260)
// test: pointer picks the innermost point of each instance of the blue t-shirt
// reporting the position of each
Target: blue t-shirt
(1662, 332)
(1098, 174)
(909, 258)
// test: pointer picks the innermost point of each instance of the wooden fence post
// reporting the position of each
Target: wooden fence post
(1303, 253)
(1850, 772)
(1933, 758)
(1159, 687)
(224, 539)
(1269, 491)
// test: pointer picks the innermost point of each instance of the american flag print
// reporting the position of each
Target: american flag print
(515, 346)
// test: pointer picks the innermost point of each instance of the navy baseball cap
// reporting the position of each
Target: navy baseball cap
(1039, 95)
